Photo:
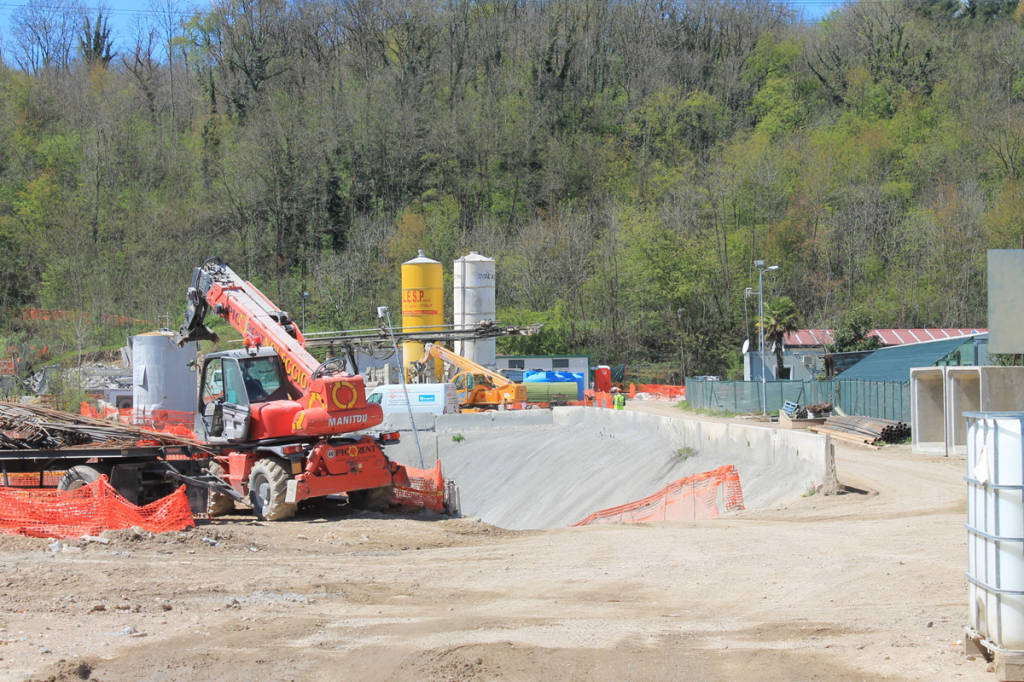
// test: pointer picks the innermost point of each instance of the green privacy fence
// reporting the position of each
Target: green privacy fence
(885, 399)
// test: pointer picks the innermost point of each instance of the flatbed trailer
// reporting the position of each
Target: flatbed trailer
(140, 473)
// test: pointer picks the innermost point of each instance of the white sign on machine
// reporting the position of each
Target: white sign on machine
(429, 398)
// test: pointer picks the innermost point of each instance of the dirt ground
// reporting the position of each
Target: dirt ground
(857, 586)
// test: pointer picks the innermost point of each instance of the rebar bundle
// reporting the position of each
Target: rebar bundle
(869, 430)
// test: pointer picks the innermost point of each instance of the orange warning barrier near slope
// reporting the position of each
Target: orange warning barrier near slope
(701, 496)
(425, 489)
(88, 510)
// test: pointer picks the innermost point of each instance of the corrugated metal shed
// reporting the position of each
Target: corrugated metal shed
(894, 363)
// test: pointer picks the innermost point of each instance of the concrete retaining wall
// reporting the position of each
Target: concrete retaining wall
(549, 468)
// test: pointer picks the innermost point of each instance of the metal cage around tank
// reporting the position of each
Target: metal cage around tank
(995, 528)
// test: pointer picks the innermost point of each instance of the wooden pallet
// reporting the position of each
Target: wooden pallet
(787, 422)
(1008, 666)
(843, 436)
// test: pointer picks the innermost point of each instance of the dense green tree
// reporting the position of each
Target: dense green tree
(852, 335)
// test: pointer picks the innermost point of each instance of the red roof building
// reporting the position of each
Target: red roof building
(812, 338)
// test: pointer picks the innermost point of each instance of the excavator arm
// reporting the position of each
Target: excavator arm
(329, 401)
(482, 387)
(449, 357)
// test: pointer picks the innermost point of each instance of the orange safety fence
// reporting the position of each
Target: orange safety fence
(697, 497)
(172, 422)
(425, 489)
(663, 390)
(598, 399)
(30, 479)
(88, 510)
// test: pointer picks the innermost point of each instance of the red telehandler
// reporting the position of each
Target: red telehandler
(283, 421)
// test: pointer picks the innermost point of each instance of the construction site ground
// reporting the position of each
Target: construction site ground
(858, 586)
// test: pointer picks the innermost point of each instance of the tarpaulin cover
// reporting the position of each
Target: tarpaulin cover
(88, 510)
(697, 497)
(539, 376)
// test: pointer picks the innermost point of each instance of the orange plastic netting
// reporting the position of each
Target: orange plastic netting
(663, 390)
(425, 489)
(165, 421)
(50, 479)
(701, 496)
(87, 511)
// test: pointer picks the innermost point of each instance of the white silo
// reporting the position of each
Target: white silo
(474, 303)
(163, 376)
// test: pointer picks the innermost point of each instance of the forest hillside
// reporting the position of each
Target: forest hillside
(624, 163)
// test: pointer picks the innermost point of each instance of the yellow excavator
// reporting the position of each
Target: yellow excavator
(477, 387)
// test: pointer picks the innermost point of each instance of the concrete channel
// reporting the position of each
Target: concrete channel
(551, 468)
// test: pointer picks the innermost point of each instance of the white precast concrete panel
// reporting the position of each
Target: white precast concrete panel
(474, 303)
(163, 375)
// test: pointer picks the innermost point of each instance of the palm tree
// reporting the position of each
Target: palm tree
(780, 318)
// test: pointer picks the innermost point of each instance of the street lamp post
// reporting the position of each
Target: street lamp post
(747, 293)
(305, 295)
(761, 269)
(384, 313)
(682, 361)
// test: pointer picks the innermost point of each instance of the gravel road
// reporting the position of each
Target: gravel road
(856, 586)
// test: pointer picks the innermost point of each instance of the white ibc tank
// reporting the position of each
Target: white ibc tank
(995, 526)
(474, 303)
(163, 375)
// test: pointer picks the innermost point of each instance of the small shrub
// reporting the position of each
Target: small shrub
(684, 453)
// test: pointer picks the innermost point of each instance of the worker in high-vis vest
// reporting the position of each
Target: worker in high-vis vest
(618, 399)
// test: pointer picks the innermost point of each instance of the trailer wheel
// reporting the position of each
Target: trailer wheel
(79, 476)
(268, 486)
(374, 499)
(218, 504)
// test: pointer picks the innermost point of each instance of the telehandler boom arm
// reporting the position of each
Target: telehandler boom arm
(325, 401)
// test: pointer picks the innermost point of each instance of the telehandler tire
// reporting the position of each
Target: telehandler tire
(218, 504)
(79, 476)
(268, 486)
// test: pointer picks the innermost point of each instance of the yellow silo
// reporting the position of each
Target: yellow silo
(422, 305)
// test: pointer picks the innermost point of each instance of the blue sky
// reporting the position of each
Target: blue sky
(125, 15)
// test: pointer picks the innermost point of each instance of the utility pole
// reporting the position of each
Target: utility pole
(761, 269)
(682, 355)
(305, 295)
(747, 293)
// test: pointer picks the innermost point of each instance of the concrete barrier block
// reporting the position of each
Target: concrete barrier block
(979, 388)
(928, 432)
